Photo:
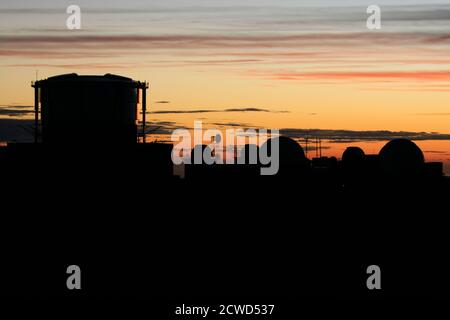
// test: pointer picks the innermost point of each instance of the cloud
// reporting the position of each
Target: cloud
(162, 127)
(352, 136)
(196, 111)
(231, 124)
(436, 114)
(410, 87)
(62, 54)
(17, 106)
(246, 110)
(321, 56)
(182, 111)
(72, 66)
(381, 76)
(16, 111)
(115, 65)
(17, 44)
(20, 130)
(241, 35)
(223, 39)
(436, 152)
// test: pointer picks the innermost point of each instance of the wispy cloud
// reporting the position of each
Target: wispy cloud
(16, 111)
(195, 111)
(248, 33)
(231, 124)
(222, 40)
(20, 130)
(349, 135)
(322, 56)
(436, 114)
(378, 76)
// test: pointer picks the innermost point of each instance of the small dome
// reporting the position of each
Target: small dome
(353, 154)
(401, 156)
(290, 152)
(249, 149)
(200, 150)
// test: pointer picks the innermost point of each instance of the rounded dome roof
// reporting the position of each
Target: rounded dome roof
(90, 78)
(290, 151)
(246, 151)
(353, 154)
(401, 156)
(200, 149)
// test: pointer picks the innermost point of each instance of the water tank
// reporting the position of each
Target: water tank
(89, 109)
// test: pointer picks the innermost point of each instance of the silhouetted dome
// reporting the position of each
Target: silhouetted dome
(332, 162)
(353, 154)
(244, 156)
(291, 153)
(401, 156)
(201, 148)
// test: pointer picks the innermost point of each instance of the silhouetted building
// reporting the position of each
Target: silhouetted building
(89, 109)
(435, 169)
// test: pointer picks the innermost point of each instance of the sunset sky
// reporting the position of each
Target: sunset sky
(295, 63)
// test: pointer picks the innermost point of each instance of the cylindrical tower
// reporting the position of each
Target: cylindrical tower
(88, 109)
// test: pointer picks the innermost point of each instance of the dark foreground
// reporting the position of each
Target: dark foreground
(150, 241)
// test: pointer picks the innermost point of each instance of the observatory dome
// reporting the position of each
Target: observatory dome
(291, 153)
(249, 154)
(198, 152)
(353, 154)
(401, 156)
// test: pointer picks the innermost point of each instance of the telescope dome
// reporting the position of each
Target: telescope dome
(353, 154)
(401, 156)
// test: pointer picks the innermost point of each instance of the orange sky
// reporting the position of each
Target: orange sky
(308, 67)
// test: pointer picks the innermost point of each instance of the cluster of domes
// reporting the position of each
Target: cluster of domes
(397, 157)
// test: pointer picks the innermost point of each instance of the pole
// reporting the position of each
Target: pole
(36, 112)
(144, 110)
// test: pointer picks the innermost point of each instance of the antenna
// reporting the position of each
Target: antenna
(317, 147)
(320, 147)
(306, 142)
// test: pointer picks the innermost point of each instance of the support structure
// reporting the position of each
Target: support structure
(144, 87)
(35, 85)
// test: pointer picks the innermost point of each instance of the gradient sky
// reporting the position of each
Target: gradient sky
(307, 64)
